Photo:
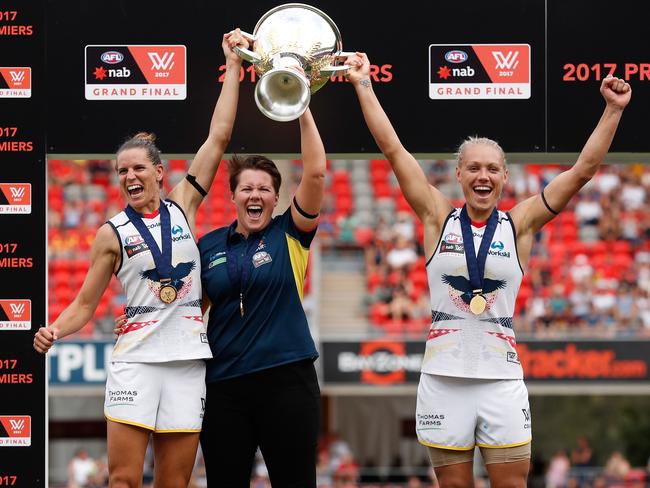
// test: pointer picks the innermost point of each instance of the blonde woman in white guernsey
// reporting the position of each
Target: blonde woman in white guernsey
(156, 377)
(471, 390)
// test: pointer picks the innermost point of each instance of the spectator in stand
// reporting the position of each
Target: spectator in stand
(404, 226)
(461, 360)
(632, 193)
(82, 470)
(403, 255)
(588, 210)
(581, 271)
(557, 474)
(616, 468)
(607, 180)
(400, 305)
(582, 454)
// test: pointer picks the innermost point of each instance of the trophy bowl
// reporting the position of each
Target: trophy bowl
(296, 48)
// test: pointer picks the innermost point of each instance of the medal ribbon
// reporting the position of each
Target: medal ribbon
(241, 272)
(162, 260)
(476, 264)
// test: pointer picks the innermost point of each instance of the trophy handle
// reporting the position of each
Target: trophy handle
(337, 68)
(247, 54)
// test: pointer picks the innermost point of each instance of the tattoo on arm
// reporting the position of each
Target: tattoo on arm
(366, 83)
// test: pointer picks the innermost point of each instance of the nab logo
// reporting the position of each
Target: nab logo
(456, 56)
(112, 57)
(507, 61)
(161, 63)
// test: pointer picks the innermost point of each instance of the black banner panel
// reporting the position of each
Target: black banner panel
(586, 42)
(22, 243)
(100, 92)
(525, 73)
(393, 362)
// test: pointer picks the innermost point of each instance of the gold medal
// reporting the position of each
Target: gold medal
(167, 293)
(477, 304)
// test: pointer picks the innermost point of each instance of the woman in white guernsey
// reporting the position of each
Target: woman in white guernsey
(471, 390)
(156, 378)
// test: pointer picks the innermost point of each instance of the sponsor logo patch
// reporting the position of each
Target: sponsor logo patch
(15, 314)
(135, 72)
(15, 430)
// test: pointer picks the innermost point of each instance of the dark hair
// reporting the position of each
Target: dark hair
(146, 141)
(260, 163)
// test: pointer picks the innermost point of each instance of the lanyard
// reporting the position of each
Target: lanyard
(162, 260)
(476, 264)
(241, 272)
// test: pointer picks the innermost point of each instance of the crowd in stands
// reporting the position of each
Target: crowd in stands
(589, 273)
(338, 468)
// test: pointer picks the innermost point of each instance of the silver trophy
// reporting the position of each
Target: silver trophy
(289, 36)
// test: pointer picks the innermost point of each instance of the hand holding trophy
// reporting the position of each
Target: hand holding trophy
(290, 40)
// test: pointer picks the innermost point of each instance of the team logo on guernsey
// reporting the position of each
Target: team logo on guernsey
(260, 258)
(180, 276)
(452, 243)
(15, 430)
(460, 290)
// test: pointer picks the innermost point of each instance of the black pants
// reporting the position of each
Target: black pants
(277, 409)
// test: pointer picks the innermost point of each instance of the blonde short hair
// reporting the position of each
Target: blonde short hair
(479, 141)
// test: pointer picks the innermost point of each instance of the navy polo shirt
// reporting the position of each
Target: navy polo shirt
(273, 330)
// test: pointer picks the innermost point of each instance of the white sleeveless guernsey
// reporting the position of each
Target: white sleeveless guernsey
(156, 331)
(460, 343)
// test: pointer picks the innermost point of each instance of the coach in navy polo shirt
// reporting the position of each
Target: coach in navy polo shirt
(262, 388)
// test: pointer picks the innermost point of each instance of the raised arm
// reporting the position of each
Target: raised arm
(311, 188)
(530, 215)
(206, 162)
(104, 256)
(429, 203)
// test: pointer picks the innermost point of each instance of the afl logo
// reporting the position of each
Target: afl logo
(456, 56)
(112, 57)
(133, 240)
(452, 238)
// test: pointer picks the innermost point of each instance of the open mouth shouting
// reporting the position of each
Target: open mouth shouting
(135, 190)
(483, 191)
(254, 212)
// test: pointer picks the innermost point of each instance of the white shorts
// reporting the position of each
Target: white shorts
(162, 397)
(459, 413)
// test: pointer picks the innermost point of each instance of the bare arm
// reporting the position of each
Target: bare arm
(311, 188)
(428, 202)
(103, 259)
(531, 214)
(206, 162)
